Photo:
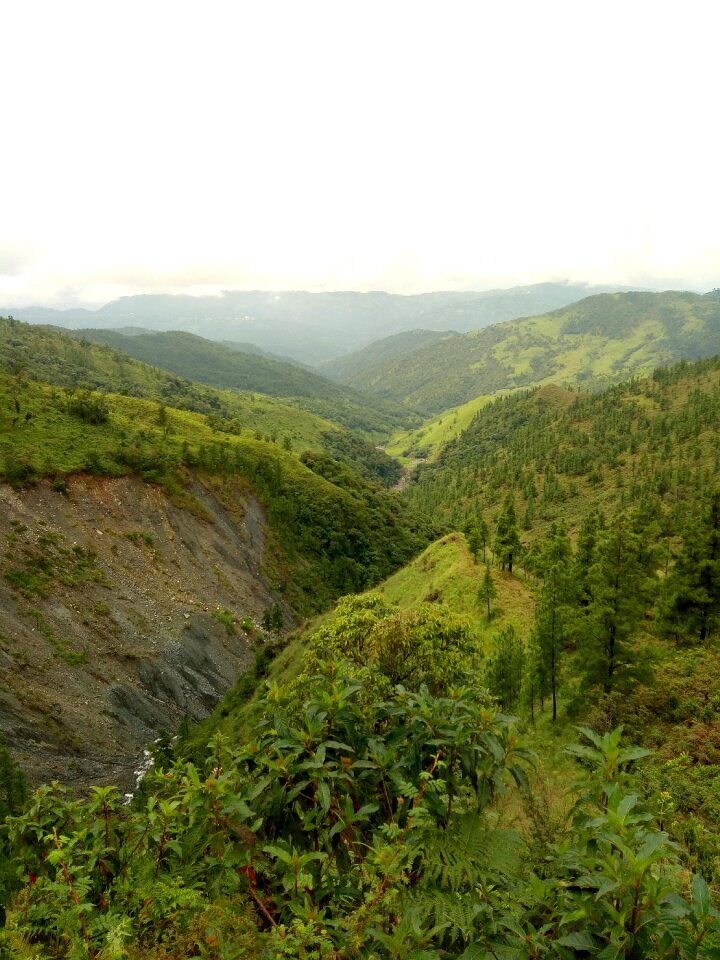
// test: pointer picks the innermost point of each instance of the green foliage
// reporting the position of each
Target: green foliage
(387, 646)
(339, 532)
(352, 827)
(223, 366)
(47, 355)
(225, 617)
(619, 582)
(562, 454)
(13, 795)
(316, 824)
(477, 536)
(273, 620)
(363, 457)
(552, 627)
(487, 591)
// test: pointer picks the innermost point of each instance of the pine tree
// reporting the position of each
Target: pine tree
(507, 541)
(620, 584)
(504, 673)
(691, 594)
(13, 785)
(477, 535)
(585, 556)
(552, 614)
(483, 534)
(473, 542)
(487, 591)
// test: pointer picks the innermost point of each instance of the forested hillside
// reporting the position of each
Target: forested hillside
(652, 440)
(359, 367)
(598, 341)
(50, 356)
(206, 361)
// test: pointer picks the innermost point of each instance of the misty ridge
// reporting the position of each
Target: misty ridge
(311, 327)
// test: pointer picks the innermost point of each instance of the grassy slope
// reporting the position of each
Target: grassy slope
(218, 365)
(58, 443)
(601, 340)
(446, 572)
(426, 441)
(53, 357)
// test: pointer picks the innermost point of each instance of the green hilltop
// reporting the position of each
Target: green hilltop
(357, 367)
(597, 341)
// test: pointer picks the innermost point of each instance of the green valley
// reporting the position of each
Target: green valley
(472, 717)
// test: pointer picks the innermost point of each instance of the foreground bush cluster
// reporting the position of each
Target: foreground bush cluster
(360, 821)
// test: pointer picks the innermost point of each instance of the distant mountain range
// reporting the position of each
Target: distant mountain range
(596, 342)
(311, 327)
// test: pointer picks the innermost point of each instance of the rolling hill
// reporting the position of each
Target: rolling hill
(359, 366)
(55, 357)
(598, 341)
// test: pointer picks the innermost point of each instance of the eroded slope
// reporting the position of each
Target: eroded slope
(113, 618)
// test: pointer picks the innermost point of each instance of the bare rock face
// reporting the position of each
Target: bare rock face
(120, 613)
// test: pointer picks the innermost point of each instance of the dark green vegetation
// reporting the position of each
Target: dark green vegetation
(359, 821)
(598, 341)
(313, 326)
(207, 361)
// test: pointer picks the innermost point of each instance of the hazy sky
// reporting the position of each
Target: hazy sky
(407, 146)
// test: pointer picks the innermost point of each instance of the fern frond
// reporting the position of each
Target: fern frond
(467, 852)
(455, 913)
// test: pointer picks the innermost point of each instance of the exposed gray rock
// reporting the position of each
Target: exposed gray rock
(120, 641)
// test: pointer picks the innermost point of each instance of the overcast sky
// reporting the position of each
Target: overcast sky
(407, 146)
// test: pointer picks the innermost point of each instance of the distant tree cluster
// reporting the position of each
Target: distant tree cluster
(90, 408)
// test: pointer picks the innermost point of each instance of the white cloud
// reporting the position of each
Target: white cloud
(168, 146)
